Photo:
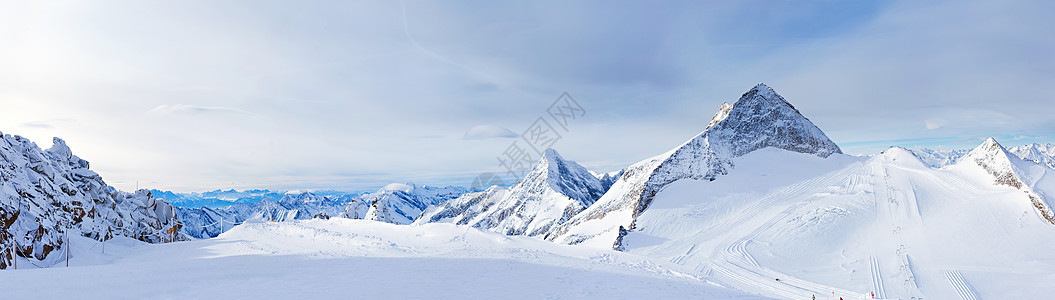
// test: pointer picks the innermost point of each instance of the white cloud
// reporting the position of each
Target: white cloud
(194, 109)
(934, 124)
(487, 131)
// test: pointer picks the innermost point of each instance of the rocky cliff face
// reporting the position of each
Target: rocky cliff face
(44, 194)
(759, 119)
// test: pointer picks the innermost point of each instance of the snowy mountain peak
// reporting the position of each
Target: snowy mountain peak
(765, 91)
(398, 187)
(1008, 170)
(904, 157)
(759, 119)
(996, 160)
(550, 194)
(568, 178)
(762, 118)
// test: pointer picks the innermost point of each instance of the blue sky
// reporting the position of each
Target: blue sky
(197, 95)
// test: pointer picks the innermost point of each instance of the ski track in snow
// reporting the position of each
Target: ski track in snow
(753, 274)
(889, 199)
(963, 288)
(877, 277)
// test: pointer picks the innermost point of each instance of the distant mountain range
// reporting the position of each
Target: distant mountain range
(1038, 153)
(221, 198)
(395, 203)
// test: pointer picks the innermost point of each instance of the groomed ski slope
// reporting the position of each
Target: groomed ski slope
(850, 227)
(356, 259)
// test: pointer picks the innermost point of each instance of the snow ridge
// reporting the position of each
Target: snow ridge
(45, 194)
(759, 119)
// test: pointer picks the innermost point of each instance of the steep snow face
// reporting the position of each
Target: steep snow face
(44, 194)
(759, 119)
(565, 177)
(1012, 171)
(1039, 153)
(464, 209)
(550, 194)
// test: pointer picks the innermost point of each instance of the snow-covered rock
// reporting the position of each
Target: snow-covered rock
(550, 194)
(759, 119)
(45, 194)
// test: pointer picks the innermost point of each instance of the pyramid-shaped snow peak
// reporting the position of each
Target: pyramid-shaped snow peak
(759, 119)
(1008, 170)
(762, 118)
(568, 178)
(996, 160)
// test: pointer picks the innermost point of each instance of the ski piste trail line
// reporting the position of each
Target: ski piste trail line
(740, 265)
(963, 288)
(877, 277)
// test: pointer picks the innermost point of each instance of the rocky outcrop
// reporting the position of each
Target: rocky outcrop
(44, 194)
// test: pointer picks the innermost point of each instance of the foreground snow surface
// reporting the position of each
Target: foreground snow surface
(342, 258)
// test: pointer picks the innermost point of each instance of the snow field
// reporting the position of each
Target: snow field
(341, 258)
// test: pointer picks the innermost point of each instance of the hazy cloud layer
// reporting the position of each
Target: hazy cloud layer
(485, 131)
(194, 109)
(355, 95)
